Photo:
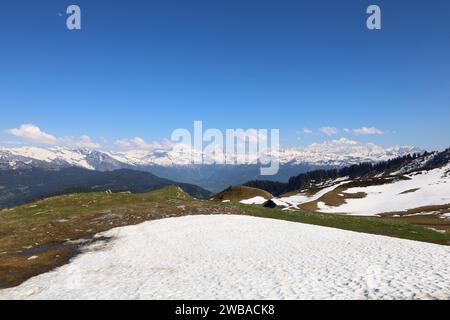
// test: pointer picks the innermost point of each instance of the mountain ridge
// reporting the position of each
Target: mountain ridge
(216, 177)
(18, 187)
(336, 152)
(393, 167)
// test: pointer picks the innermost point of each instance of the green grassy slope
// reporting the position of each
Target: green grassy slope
(34, 237)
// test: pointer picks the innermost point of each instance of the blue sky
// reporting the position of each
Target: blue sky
(145, 68)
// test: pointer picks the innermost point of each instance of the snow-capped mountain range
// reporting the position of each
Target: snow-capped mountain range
(333, 153)
(166, 162)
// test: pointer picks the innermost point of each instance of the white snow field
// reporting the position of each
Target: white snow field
(241, 257)
(425, 188)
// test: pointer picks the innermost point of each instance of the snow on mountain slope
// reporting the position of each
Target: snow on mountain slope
(58, 157)
(333, 153)
(423, 188)
(240, 257)
(343, 151)
(294, 201)
(415, 164)
(52, 155)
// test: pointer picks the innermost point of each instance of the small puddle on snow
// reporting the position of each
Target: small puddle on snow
(68, 250)
(35, 251)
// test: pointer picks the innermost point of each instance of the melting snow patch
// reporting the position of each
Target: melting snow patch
(437, 230)
(296, 200)
(280, 203)
(240, 257)
(255, 200)
(432, 186)
(422, 214)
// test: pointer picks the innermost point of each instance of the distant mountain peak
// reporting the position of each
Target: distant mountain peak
(339, 152)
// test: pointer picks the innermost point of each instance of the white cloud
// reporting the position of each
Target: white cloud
(138, 143)
(368, 131)
(83, 142)
(307, 131)
(123, 144)
(32, 133)
(329, 131)
(87, 142)
(344, 141)
(141, 144)
(250, 136)
(335, 143)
